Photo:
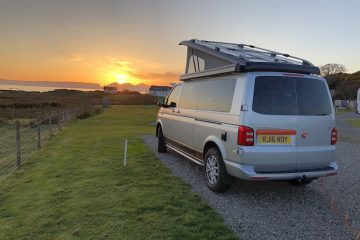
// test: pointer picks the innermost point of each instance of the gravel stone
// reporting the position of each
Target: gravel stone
(344, 128)
(278, 210)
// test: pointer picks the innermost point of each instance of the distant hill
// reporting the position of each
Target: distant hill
(128, 86)
(51, 84)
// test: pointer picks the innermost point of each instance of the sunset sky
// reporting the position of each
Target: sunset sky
(105, 41)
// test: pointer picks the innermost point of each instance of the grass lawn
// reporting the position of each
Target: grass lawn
(354, 122)
(76, 187)
(350, 139)
(342, 110)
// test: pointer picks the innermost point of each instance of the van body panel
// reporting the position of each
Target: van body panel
(225, 134)
(168, 115)
(315, 150)
(182, 128)
(218, 142)
(267, 157)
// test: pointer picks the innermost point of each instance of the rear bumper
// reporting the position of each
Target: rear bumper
(247, 172)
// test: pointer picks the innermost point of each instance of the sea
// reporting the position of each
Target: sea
(38, 88)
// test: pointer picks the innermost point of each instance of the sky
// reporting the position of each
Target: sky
(107, 41)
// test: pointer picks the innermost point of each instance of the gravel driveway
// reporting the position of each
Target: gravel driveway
(346, 131)
(276, 210)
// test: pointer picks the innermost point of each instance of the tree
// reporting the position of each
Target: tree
(331, 68)
(344, 86)
(335, 79)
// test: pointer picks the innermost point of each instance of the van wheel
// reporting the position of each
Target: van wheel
(300, 182)
(216, 176)
(161, 142)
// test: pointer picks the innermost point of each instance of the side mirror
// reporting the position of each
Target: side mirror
(172, 105)
(160, 102)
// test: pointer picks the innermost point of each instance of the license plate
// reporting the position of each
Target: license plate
(274, 139)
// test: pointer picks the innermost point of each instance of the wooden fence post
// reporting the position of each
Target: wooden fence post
(63, 119)
(18, 150)
(39, 134)
(50, 127)
(58, 121)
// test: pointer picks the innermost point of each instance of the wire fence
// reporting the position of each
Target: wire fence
(18, 143)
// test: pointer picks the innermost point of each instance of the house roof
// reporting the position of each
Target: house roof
(223, 58)
(159, 88)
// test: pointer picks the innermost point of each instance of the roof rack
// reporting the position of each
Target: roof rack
(209, 58)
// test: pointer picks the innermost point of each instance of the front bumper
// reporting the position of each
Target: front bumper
(247, 172)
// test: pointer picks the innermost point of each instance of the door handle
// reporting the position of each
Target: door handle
(178, 111)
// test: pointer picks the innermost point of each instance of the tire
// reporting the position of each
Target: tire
(300, 182)
(214, 164)
(161, 141)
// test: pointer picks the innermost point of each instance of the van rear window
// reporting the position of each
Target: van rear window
(290, 96)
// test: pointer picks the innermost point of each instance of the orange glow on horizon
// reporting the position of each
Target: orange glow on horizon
(118, 76)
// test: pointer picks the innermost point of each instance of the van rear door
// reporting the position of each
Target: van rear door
(316, 121)
(274, 120)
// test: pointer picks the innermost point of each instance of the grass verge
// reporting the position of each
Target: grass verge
(354, 122)
(342, 110)
(77, 188)
(350, 139)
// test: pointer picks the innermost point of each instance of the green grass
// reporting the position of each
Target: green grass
(76, 187)
(351, 139)
(342, 110)
(354, 122)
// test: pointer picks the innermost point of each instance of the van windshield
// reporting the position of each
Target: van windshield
(290, 96)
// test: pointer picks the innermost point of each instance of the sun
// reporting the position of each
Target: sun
(118, 76)
(121, 78)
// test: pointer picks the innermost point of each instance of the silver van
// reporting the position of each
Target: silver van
(249, 113)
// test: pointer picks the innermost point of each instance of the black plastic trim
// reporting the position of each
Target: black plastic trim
(327, 168)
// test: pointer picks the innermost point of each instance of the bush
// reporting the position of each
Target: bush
(3, 121)
(90, 111)
(84, 115)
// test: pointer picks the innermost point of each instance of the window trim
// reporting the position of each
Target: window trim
(180, 90)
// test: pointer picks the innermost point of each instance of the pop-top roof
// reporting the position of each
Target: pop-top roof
(211, 58)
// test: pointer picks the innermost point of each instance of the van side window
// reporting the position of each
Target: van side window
(173, 96)
(190, 95)
(217, 95)
(196, 64)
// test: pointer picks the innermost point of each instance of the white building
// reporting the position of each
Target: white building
(110, 89)
(159, 91)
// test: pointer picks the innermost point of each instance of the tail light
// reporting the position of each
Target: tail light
(333, 136)
(245, 136)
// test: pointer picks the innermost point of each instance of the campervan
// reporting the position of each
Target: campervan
(249, 113)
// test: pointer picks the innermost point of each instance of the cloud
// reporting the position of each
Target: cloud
(75, 58)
